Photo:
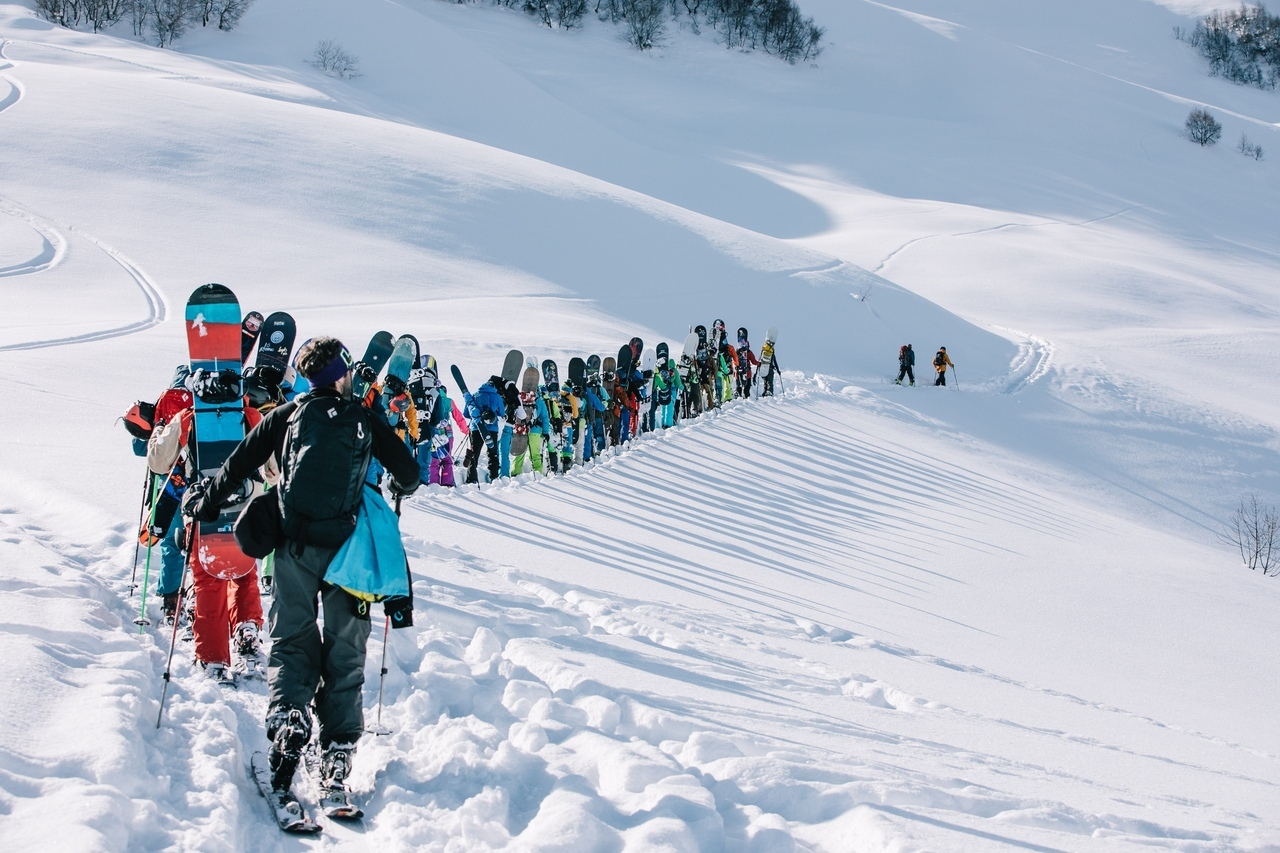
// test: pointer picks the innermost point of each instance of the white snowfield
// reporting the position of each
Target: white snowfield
(854, 617)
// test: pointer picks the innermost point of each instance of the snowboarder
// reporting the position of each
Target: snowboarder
(225, 606)
(746, 360)
(906, 364)
(323, 441)
(941, 362)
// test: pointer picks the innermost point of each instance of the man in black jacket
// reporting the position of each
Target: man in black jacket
(322, 442)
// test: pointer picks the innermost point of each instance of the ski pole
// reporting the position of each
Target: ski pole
(378, 728)
(142, 517)
(956, 376)
(142, 621)
(177, 617)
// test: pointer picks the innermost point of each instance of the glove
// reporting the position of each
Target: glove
(399, 404)
(196, 505)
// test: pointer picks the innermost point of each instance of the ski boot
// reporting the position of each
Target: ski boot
(248, 648)
(289, 729)
(218, 673)
(335, 767)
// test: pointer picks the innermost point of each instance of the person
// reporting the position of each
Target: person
(746, 360)
(668, 388)
(483, 410)
(728, 366)
(228, 602)
(941, 362)
(440, 470)
(769, 357)
(536, 426)
(323, 441)
(906, 364)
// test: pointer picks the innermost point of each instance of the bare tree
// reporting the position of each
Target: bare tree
(331, 58)
(1202, 127)
(1255, 530)
(645, 22)
(1248, 148)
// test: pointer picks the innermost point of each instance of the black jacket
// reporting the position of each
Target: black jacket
(269, 437)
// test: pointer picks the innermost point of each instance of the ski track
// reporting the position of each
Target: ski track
(1034, 359)
(55, 252)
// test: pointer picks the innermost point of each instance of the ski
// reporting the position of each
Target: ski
(289, 813)
(335, 802)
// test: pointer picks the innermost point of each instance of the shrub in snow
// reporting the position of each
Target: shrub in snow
(331, 58)
(1241, 45)
(1202, 127)
(1255, 530)
(1248, 149)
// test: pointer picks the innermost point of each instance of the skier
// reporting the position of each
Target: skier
(441, 467)
(555, 435)
(906, 364)
(323, 441)
(941, 362)
(483, 410)
(225, 606)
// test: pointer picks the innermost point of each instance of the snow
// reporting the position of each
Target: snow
(855, 617)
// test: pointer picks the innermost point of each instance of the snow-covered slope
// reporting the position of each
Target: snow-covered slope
(856, 617)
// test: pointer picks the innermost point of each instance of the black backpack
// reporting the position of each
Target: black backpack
(326, 457)
(939, 360)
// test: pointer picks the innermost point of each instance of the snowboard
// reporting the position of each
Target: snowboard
(593, 368)
(528, 399)
(275, 343)
(289, 814)
(213, 343)
(551, 376)
(249, 329)
(512, 366)
(404, 355)
(637, 348)
(766, 353)
(458, 380)
(376, 355)
(577, 374)
(624, 364)
(717, 335)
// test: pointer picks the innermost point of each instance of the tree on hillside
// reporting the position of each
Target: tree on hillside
(1255, 530)
(1241, 45)
(1202, 127)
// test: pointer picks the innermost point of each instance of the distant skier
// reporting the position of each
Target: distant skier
(941, 362)
(906, 364)
(323, 441)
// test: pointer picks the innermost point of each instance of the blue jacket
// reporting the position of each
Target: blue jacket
(485, 397)
(592, 399)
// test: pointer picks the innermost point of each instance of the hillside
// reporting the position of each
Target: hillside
(856, 617)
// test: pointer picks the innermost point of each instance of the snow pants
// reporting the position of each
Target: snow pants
(534, 455)
(172, 560)
(504, 451)
(907, 372)
(441, 471)
(478, 439)
(307, 663)
(667, 414)
(942, 378)
(220, 606)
